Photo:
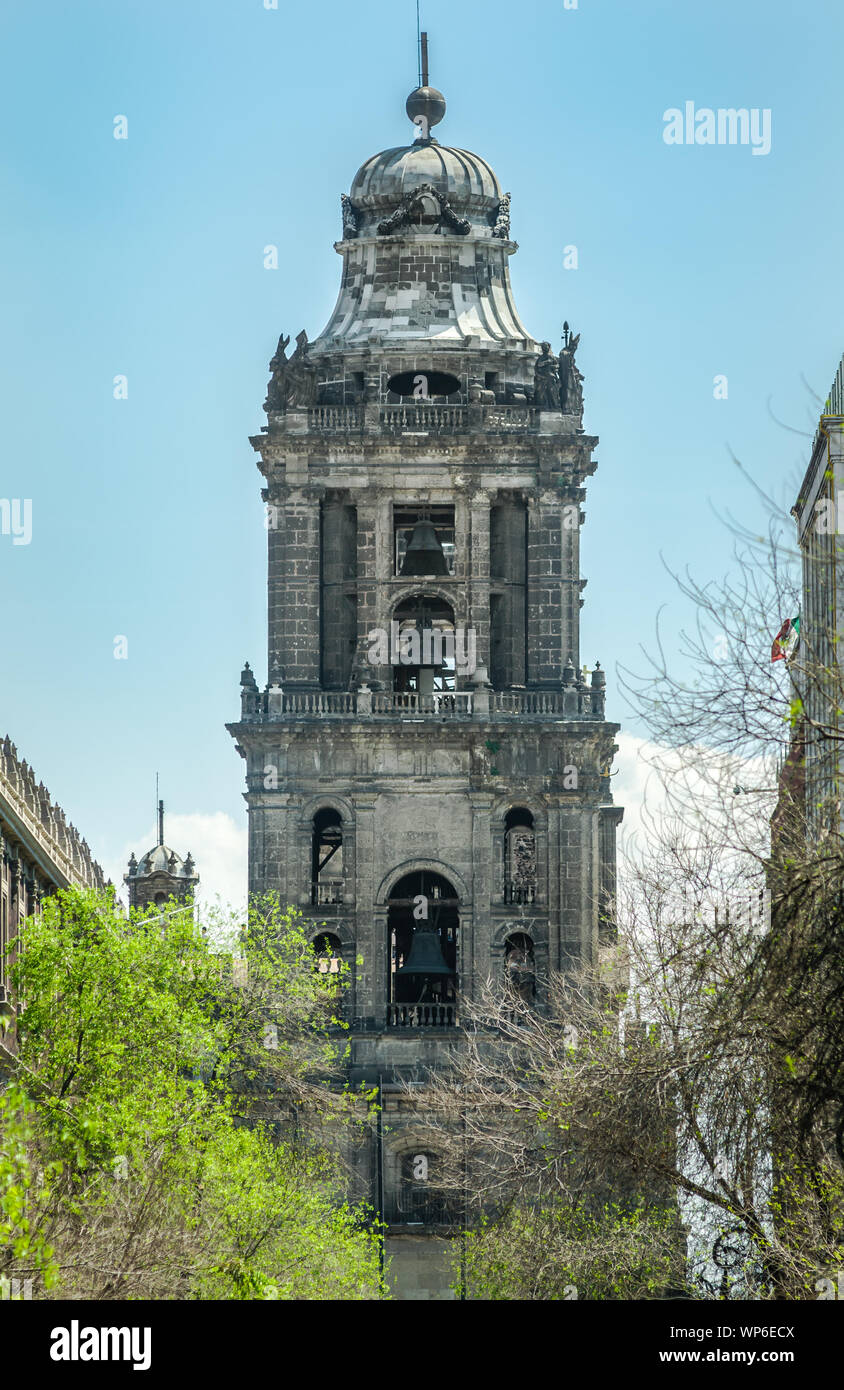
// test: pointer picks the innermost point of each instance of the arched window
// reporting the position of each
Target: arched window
(327, 858)
(519, 857)
(422, 926)
(420, 1201)
(418, 1194)
(519, 966)
(426, 652)
(328, 950)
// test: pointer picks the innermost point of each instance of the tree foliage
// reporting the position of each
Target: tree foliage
(164, 1135)
(699, 1066)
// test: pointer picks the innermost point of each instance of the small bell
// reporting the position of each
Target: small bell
(424, 553)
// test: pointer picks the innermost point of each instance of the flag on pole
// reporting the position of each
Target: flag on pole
(785, 642)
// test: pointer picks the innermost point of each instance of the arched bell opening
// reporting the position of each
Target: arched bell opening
(423, 384)
(327, 857)
(520, 966)
(519, 856)
(328, 953)
(422, 926)
(329, 965)
(426, 650)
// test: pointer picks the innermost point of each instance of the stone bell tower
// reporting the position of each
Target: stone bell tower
(428, 764)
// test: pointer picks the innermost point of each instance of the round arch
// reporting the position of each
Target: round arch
(339, 929)
(326, 803)
(502, 805)
(431, 866)
(423, 930)
(422, 588)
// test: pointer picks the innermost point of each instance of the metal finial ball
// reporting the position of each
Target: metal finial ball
(427, 102)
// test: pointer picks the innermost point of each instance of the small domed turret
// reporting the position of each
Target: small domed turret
(160, 874)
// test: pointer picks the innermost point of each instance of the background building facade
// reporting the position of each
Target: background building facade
(39, 852)
(819, 512)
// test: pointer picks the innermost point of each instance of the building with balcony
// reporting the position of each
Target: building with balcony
(428, 763)
(39, 853)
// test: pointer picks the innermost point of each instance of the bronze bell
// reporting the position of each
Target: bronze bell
(425, 956)
(424, 554)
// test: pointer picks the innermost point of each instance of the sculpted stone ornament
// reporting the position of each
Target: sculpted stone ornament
(546, 389)
(350, 218)
(411, 209)
(293, 381)
(571, 380)
(502, 222)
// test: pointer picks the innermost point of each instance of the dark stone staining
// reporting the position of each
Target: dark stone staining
(508, 521)
(339, 605)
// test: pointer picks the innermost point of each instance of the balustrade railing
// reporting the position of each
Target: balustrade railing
(519, 892)
(336, 417)
(526, 701)
(442, 702)
(575, 702)
(509, 417)
(326, 890)
(319, 702)
(421, 1015)
(424, 417)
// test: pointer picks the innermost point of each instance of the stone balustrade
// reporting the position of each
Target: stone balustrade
(441, 702)
(519, 893)
(326, 892)
(581, 702)
(421, 1015)
(421, 416)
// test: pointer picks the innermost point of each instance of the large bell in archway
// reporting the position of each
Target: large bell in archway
(425, 956)
(424, 554)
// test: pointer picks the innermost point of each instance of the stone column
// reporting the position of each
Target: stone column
(339, 568)
(268, 810)
(373, 570)
(370, 983)
(508, 642)
(570, 923)
(476, 571)
(609, 819)
(571, 518)
(475, 952)
(294, 597)
(545, 604)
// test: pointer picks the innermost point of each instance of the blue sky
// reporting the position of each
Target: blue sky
(144, 257)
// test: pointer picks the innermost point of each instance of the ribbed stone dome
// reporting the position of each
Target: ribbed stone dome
(464, 178)
(157, 861)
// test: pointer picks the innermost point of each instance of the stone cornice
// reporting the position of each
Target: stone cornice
(57, 848)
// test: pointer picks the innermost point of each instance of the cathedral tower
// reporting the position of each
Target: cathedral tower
(428, 765)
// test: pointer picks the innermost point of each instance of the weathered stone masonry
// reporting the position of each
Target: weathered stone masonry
(487, 792)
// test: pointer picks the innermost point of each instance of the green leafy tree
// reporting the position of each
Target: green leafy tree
(554, 1251)
(167, 1128)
